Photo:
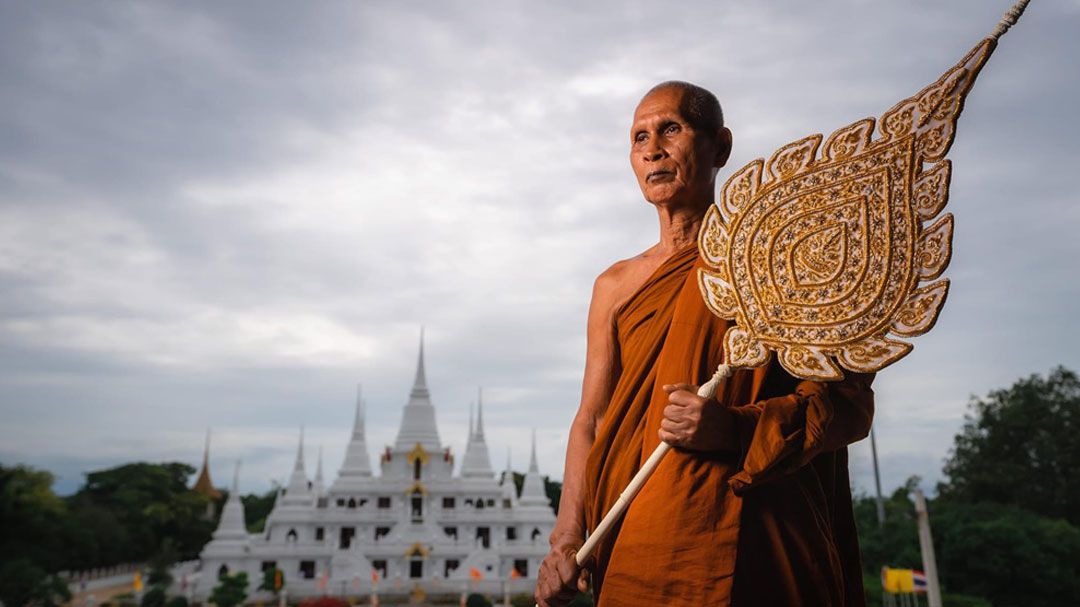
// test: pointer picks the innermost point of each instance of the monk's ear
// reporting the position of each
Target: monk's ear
(723, 147)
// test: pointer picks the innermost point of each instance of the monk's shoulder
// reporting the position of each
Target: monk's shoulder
(616, 283)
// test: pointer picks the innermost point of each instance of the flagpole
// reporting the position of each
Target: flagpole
(926, 545)
(877, 480)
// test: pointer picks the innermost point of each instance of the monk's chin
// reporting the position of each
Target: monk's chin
(676, 200)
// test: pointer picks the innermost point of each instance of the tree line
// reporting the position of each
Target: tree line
(1006, 519)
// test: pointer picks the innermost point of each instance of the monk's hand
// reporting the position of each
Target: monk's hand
(560, 577)
(695, 423)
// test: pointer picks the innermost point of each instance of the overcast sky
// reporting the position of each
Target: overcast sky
(230, 214)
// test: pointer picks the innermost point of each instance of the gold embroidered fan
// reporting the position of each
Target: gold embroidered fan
(820, 258)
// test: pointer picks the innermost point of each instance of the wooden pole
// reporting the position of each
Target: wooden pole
(926, 545)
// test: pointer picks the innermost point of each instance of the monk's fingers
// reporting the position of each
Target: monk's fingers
(686, 398)
(675, 426)
(675, 439)
(669, 388)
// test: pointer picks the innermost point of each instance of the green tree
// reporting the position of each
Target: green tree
(24, 583)
(160, 567)
(895, 544)
(269, 580)
(257, 508)
(1020, 446)
(477, 600)
(30, 515)
(154, 597)
(230, 591)
(149, 502)
(1013, 557)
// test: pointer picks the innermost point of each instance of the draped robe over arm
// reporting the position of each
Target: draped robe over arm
(768, 522)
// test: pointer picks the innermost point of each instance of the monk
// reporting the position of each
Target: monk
(753, 505)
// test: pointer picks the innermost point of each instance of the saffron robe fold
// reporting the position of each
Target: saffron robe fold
(769, 522)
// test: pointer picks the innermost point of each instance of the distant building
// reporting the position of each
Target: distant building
(417, 524)
(203, 485)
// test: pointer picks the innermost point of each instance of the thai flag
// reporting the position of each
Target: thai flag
(918, 580)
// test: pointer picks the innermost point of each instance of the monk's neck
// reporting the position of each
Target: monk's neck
(678, 228)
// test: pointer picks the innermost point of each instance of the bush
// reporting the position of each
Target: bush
(177, 601)
(230, 591)
(155, 597)
(477, 600)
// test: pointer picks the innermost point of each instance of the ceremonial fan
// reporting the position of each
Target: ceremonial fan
(819, 258)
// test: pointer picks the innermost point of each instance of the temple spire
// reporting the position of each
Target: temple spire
(300, 453)
(477, 462)
(533, 467)
(358, 420)
(418, 419)
(509, 490)
(203, 484)
(420, 382)
(357, 461)
(298, 491)
(532, 490)
(231, 530)
(480, 413)
(319, 487)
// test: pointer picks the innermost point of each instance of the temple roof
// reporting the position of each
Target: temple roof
(203, 484)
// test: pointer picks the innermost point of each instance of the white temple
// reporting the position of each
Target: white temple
(415, 527)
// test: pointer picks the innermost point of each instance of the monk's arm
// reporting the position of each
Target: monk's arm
(777, 436)
(597, 385)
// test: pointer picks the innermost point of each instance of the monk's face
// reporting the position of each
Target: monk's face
(675, 165)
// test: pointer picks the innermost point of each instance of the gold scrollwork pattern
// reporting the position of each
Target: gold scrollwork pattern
(818, 258)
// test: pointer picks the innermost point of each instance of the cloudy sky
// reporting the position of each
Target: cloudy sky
(230, 214)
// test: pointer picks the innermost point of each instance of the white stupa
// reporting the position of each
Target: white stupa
(416, 525)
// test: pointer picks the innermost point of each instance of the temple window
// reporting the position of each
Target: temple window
(346, 537)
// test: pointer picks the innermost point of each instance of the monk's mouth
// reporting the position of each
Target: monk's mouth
(658, 174)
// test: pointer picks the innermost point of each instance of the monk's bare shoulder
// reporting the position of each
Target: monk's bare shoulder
(621, 280)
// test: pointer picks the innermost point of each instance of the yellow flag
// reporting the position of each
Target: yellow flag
(898, 580)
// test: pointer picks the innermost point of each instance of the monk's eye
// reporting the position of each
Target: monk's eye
(671, 129)
(640, 137)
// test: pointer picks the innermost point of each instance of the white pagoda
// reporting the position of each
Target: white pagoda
(414, 528)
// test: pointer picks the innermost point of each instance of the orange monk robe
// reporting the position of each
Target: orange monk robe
(770, 523)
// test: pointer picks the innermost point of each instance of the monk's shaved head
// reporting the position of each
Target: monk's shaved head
(698, 106)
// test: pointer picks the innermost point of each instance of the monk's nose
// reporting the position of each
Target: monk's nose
(653, 153)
